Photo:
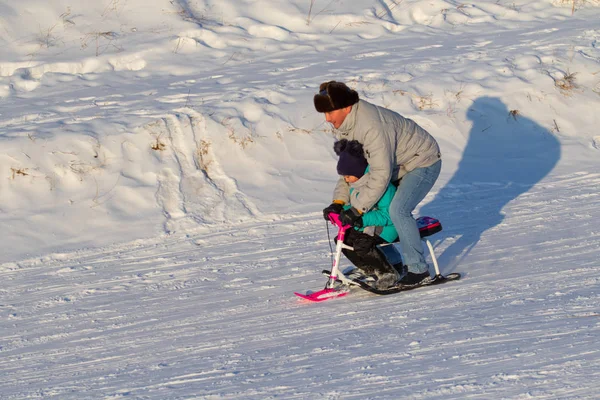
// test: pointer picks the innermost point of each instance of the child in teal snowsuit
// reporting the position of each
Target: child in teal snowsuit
(370, 229)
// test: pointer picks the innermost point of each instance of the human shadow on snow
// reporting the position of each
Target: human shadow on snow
(506, 155)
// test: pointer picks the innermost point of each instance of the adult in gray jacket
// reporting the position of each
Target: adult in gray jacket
(397, 150)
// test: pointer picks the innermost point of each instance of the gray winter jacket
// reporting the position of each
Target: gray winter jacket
(393, 146)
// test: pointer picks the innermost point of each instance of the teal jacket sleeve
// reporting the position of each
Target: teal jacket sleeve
(380, 216)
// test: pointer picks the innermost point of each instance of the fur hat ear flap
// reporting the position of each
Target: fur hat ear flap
(333, 96)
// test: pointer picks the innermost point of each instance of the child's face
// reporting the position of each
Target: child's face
(350, 178)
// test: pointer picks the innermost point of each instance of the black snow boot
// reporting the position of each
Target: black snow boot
(411, 279)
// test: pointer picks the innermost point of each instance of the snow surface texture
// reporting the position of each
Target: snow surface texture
(162, 172)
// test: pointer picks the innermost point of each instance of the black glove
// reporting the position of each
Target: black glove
(351, 217)
(334, 208)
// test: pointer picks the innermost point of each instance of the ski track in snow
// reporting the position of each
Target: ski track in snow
(212, 315)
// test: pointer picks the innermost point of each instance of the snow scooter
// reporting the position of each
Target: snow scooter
(338, 284)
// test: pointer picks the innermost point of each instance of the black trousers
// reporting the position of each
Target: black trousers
(366, 256)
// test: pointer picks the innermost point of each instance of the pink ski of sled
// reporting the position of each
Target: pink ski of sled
(322, 295)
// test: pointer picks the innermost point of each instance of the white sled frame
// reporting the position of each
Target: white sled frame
(433, 257)
(337, 275)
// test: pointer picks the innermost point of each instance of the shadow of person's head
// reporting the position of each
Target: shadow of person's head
(505, 146)
(507, 153)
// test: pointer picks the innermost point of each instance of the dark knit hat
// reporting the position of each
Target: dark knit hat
(352, 159)
(333, 96)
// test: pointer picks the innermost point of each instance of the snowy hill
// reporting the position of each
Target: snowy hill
(163, 171)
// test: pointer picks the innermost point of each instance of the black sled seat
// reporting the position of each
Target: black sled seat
(427, 226)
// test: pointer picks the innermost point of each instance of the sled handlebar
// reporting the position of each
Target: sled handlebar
(335, 220)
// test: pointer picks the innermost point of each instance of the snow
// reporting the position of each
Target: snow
(162, 172)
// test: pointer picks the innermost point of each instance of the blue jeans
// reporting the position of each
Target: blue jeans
(413, 188)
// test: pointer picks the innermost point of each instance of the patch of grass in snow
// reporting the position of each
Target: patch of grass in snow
(567, 83)
(576, 4)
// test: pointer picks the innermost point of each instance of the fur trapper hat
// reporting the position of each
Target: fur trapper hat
(333, 96)
(352, 158)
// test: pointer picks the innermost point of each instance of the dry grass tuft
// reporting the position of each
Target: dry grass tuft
(567, 83)
(18, 171)
(426, 102)
(158, 145)
(299, 130)
(203, 154)
(514, 114)
(555, 128)
(102, 40)
(576, 4)
(242, 141)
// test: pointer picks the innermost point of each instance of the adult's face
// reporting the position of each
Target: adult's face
(337, 117)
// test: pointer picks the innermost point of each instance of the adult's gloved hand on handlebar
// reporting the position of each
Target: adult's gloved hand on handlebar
(335, 208)
(351, 217)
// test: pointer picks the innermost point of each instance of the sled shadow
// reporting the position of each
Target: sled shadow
(506, 155)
